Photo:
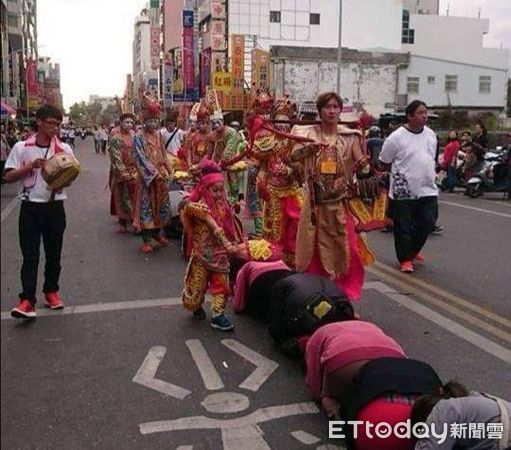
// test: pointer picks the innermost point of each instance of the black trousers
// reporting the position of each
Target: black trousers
(413, 220)
(46, 220)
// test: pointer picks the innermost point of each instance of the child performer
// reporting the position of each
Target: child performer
(210, 222)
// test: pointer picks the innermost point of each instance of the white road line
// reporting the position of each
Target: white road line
(265, 366)
(9, 209)
(450, 325)
(304, 437)
(473, 208)
(104, 307)
(207, 370)
(147, 372)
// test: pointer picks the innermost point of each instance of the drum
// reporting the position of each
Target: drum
(60, 170)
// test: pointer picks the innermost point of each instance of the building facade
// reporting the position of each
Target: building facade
(48, 75)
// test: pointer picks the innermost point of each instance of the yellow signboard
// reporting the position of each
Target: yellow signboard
(222, 81)
(260, 68)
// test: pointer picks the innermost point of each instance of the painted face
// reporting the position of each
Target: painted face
(127, 124)
(216, 124)
(217, 190)
(193, 125)
(151, 124)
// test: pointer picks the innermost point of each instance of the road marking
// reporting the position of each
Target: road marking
(265, 366)
(474, 208)
(147, 372)
(305, 438)
(207, 370)
(450, 325)
(497, 332)
(9, 209)
(407, 279)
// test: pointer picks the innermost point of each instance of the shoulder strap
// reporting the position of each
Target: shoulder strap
(169, 140)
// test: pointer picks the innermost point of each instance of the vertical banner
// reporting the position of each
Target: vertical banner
(260, 68)
(205, 70)
(155, 47)
(32, 84)
(188, 56)
(238, 61)
(168, 78)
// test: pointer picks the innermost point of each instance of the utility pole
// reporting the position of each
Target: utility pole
(339, 50)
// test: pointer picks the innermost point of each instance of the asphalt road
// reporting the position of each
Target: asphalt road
(124, 366)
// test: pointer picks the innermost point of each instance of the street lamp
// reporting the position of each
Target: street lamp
(339, 50)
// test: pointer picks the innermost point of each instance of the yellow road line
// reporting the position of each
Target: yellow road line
(442, 293)
(416, 291)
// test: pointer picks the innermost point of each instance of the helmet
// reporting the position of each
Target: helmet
(374, 131)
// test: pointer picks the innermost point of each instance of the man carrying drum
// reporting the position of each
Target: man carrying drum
(42, 211)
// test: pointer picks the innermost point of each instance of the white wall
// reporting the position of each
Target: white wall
(468, 83)
(370, 84)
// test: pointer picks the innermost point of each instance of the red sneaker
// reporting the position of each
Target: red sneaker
(53, 300)
(146, 247)
(419, 258)
(163, 241)
(25, 310)
(407, 267)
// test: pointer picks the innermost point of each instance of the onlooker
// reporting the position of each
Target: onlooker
(172, 137)
(42, 211)
(410, 152)
(374, 143)
(450, 160)
(71, 134)
(97, 139)
(5, 147)
(480, 138)
(103, 135)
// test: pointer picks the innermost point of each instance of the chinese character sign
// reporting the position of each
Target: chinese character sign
(188, 63)
(32, 85)
(238, 61)
(205, 69)
(222, 81)
(261, 68)
(217, 10)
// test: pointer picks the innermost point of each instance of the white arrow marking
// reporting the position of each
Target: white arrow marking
(207, 370)
(305, 438)
(265, 366)
(147, 372)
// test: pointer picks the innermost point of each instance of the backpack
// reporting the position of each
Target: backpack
(301, 303)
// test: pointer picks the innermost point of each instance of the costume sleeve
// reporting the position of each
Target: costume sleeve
(388, 152)
(241, 289)
(147, 169)
(114, 150)
(313, 353)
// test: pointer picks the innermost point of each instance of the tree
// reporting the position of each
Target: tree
(94, 112)
(78, 113)
(109, 114)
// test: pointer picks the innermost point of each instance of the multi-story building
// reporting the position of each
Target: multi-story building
(141, 50)
(4, 42)
(49, 82)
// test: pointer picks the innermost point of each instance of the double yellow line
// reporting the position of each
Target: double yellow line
(484, 319)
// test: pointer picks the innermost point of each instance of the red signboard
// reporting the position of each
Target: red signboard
(205, 70)
(32, 82)
(188, 66)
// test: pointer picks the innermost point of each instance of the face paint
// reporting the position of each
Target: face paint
(216, 124)
(151, 123)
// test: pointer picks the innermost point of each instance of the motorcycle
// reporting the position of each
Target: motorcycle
(492, 175)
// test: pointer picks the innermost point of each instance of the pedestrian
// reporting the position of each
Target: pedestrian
(450, 160)
(71, 135)
(374, 143)
(409, 152)
(151, 211)
(326, 241)
(97, 139)
(454, 404)
(5, 149)
(480, 138)
(209, 220)
(172, 136)
(103, 135)
(42, 211)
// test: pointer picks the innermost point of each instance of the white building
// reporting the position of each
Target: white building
(142, 71)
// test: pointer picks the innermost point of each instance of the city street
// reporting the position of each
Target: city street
(124, 366)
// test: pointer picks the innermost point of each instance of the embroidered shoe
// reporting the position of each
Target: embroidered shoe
(53, 300)
(163, 241)
(146, 247)
(222, 323)
(199, 313)
(24, 310)
(407, 267)
(419, 258)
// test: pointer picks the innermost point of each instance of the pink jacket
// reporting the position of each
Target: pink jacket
(339, 344)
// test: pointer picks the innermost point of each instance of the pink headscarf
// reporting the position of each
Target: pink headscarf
(220, 209)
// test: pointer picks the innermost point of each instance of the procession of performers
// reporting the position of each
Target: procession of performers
(300, 184)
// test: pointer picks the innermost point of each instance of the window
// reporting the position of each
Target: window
(412, 85)
(275, 16)
(407, 35)
(12, 20)
(431, 80)
(484, 84)
(314, 19)
(451, 83)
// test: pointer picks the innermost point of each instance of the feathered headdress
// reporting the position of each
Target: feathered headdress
(262, 101)
(150, 108)
(284, 108)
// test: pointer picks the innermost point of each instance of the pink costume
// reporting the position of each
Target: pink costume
(339, 344)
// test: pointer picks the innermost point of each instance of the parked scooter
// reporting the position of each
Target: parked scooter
(492, 176)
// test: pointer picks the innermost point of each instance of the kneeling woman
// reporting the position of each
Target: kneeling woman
(356, 367)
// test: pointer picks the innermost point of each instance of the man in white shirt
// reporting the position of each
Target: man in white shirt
(410, 153)
(42, 211)
(172, 137)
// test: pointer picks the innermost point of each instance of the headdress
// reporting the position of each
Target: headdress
(203, 110)
(262, 101)
(194, 111)
(214, 105)
(150, 108)
(284, 108)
